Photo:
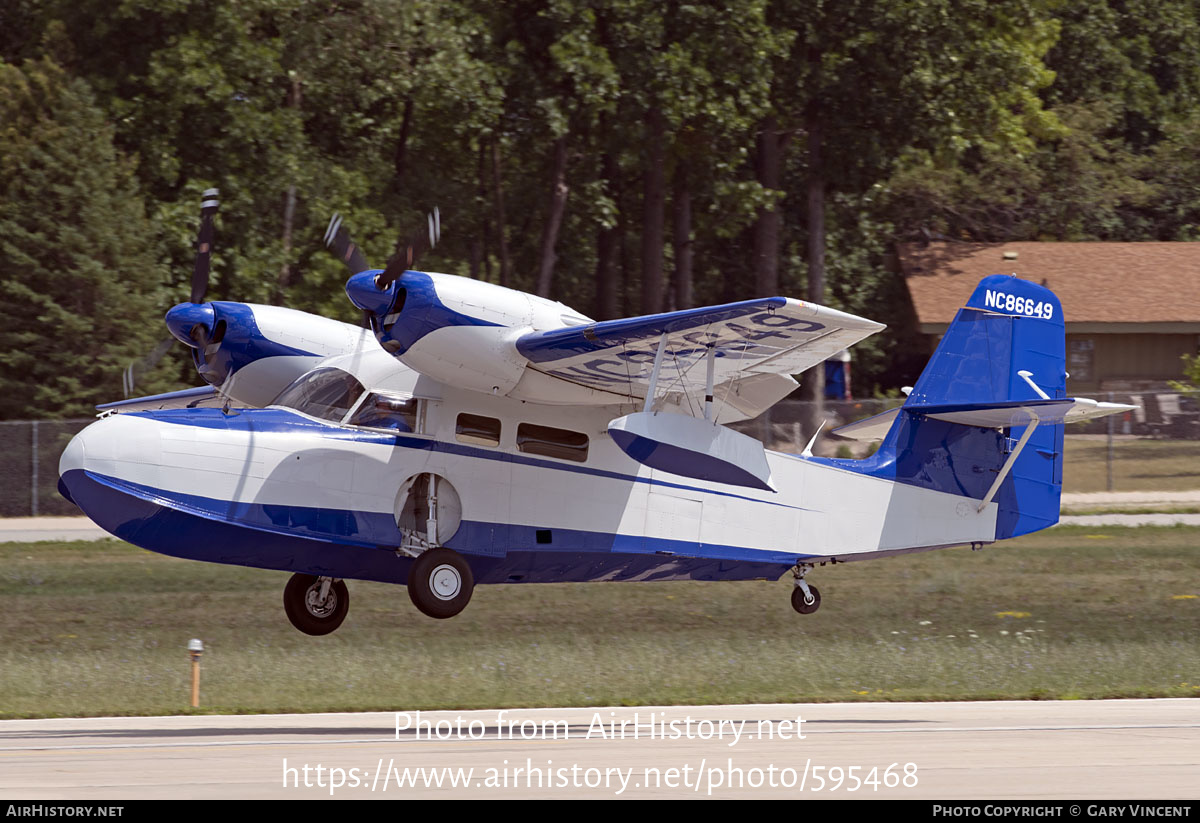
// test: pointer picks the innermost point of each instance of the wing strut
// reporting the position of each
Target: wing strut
(1012, 458)
(710, 356)
(658, 358)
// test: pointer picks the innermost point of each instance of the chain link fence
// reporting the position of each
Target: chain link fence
(29, 452)
(1155, 447)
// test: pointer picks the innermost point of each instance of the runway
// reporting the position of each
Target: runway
(1081, 750)
(34, 529)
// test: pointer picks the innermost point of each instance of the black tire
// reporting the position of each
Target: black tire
(299, 601)
(440, 583)
(798, 600)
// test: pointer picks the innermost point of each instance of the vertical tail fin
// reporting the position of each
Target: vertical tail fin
(1007, 343)
(985, 420)
(1008, 326)
(999, 370)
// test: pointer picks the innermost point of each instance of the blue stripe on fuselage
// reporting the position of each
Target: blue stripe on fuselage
(289, 538)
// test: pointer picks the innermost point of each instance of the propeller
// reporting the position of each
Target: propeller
(194, 315)
(208, 207)
(338, 240)
(406, 254)
(195, 323)
(137, 368)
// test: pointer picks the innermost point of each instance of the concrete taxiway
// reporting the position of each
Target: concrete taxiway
(33, 530)
(1146, 749)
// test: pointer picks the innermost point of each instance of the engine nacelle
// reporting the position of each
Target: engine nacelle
(456, 330)
(251, 352)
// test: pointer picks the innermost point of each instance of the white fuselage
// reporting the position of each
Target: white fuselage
(818, 512)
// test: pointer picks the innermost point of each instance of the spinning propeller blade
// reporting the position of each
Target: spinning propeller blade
(209, 203)
(406, 254)
(337, 239)
(208, 207)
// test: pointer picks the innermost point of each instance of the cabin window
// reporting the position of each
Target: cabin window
(478, 430)
(398, 414)
(551, 442)
(327, 393)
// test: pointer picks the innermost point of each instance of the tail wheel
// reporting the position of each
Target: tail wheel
(440, 583)
(806, 604)
(309, 610)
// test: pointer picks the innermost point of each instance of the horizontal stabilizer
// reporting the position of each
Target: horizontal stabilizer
(870, 428)
(1009, 413)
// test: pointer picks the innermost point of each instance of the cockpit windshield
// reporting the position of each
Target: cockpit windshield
(325, 393)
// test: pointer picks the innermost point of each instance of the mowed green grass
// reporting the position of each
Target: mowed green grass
(102, 628)
(1137, 466)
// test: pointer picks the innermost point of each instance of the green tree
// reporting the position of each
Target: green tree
(80, 276)
(1137, 58)
(1080, 184)
(865, 85)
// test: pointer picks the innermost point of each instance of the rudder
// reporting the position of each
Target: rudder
(1008, 326)
(958, 427)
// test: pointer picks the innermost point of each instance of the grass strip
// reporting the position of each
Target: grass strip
(1077, 612)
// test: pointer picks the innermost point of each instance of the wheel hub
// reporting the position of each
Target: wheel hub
(445, 582)
(317, 607)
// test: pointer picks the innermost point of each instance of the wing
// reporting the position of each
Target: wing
(757, 345)
(203, 397)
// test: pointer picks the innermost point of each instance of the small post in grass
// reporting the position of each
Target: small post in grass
(195, 649)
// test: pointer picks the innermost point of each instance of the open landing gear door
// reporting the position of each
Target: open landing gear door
(428, 512)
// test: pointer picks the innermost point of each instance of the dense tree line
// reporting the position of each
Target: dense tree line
(624, 156)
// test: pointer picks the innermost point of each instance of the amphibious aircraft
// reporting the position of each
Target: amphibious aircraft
(475, 434)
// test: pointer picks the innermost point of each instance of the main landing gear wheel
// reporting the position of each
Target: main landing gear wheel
(440, 583)
(806, 604)
(315, 605)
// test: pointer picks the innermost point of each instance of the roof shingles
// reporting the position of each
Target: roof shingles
(1096, 282)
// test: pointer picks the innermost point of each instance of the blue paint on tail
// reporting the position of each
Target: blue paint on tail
(1008, 325)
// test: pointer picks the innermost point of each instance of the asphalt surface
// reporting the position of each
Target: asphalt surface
(1004, 750)
(997, 750)
(33, 529)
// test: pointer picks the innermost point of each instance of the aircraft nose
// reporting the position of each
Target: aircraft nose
(103, 468)
(74, 456)
(119, 445)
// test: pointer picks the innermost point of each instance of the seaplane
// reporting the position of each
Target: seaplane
(469, 433)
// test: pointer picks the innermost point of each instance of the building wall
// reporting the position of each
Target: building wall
(1095, 361)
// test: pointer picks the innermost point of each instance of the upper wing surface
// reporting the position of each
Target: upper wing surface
(202, 397)
(773, 335)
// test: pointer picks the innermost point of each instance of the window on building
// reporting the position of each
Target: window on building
(1081, 360)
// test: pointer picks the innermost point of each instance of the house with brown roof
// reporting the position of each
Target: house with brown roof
(1132, 310)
